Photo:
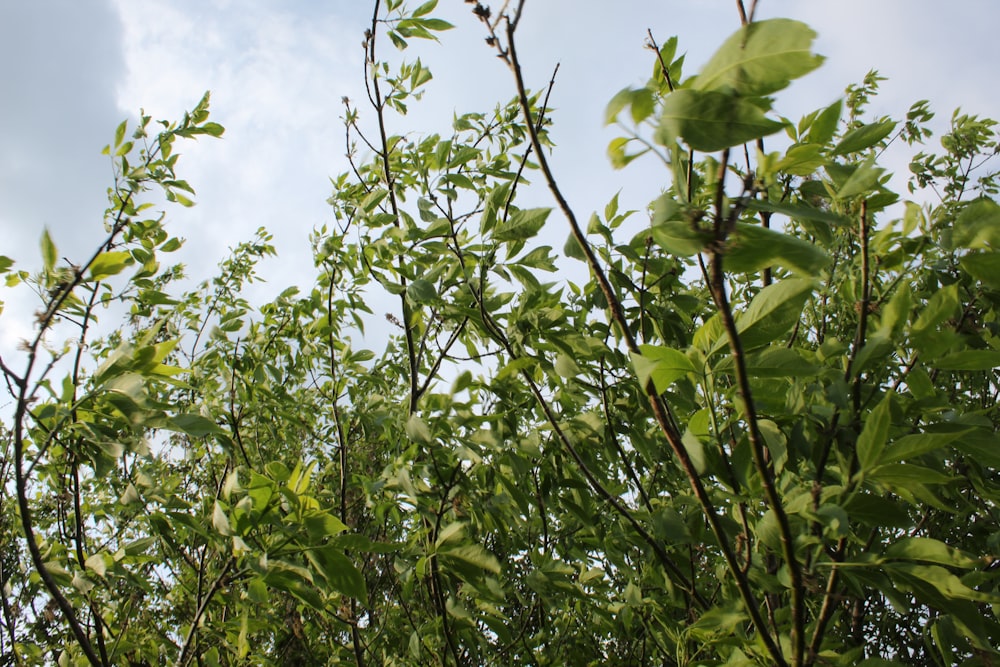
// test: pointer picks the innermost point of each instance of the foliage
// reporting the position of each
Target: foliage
(763, 430)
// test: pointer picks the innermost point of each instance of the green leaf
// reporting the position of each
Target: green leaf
(877, 510)
(425, 8)
(416, 429)
(639, 100)
(194, 425)
(321, 525)
(978, 226)
(472, 554)
(930, 551)
(680, 238)
(946, 583)
(917, 444)
(943, 305)
(451, 532)
(968, 360)
(801, 160)
(983, 266)
(824, 126)
(710, 121)
(342, 575)
(49, 253)
(436, 24)
(566, 366)
(774, 361)
(771, 313)
(5, 263)
(110, 264)
(753, 247)
(573, 249)
(616, 105)
(901, 474)
(864, 137)
(293, 579)
(219, 519)
(895, 313)
(862, 179)
(213, 129)
(97, 564)
(777, 443)
(797, 211)
(662, 365)
(761, 58)
(522, 224)
(874, 434)
(422, 291)
(120, 133)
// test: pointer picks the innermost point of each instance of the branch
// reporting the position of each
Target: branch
(193, 632)
(378, 104)
(660, 410)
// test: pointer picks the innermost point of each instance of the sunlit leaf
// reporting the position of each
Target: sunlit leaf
(522, 224)
(710, 121)
(761, 58)
(753, 247)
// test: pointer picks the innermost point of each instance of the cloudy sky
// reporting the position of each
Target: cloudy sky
(71, 70)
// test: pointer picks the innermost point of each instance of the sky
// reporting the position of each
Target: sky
(71, 70)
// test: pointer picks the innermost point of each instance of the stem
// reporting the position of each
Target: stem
(377, 102)
(866, 297)
(760, 457)
(193, 631)
(659, 409)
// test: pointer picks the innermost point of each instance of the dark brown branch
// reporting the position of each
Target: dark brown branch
(390, 184)
(186, 654)
(659, 409)
(724, 221)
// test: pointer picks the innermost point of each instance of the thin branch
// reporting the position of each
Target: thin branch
(390, 184)
(186, 655)
(659, 409)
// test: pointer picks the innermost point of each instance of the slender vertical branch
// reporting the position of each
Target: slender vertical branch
(189, 641)
(863, 306)
(390, 184)
(357, 645)
(759, 454)
(659, 409)
(25, 395)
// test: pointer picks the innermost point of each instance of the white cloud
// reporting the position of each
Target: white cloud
(276, 78)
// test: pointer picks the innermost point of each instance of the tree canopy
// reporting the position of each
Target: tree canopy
(753, 424)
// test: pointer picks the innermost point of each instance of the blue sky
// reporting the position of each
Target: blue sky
(71, 70)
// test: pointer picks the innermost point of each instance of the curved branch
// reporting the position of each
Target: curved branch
(659, 409)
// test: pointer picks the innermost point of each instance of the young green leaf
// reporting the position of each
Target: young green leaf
(49, 253)
(109, 264)
(983, 266)
(662, 365)
(710, 121)
(760, 58)
(771, 313)
(753, 247)
(874, 434)
(969, 360)
(864, 137)
(978, 226)
(219, 519)
(422, 291)
(522, 224)
(824, 126)
(680, 238)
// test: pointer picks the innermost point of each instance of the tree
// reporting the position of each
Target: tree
(763, 430)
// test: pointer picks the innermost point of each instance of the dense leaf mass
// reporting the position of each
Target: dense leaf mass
(761, 429)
